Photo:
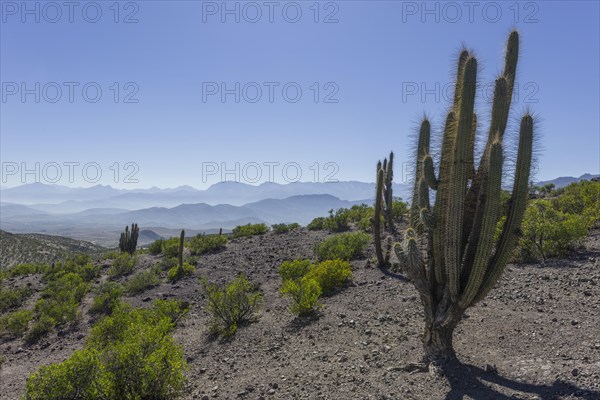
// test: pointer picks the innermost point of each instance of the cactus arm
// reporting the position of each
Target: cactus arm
(442, 194)
(388, 194)
(422, 150)
(471, 171)
(429, 172)
(491, 187)
(458, 180)
(462, 59)
(512, 226)
(511, 57)
(476, 197)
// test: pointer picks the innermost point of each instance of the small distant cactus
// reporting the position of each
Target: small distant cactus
(128, 239)
(180, 252)
(383, 210)
(449, 250)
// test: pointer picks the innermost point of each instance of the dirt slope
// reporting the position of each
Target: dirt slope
(537, 336)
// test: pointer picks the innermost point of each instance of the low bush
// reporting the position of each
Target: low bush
(548, 232)
(304, 293)
(122, 265)
(25, 269)
(141, 281)
(581, 198)
(399, 210)
(170, 247)
(155, 247)
(295, 269)
(14, 324)
(304, 282)
(237, 302)
(249, 230)
(203, 244)
(167, 263)
(176, 273)
(130, 355)
(80, 265)
(345, 246)
(40, 328)
(12, 298)
(59, 304)
(317, 224)
(337, 221)
(108, 296)
(280, 228)
(285, 228)
(330, 274)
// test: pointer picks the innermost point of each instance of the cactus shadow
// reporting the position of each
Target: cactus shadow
(472, 382)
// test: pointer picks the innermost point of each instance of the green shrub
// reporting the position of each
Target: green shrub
(317, 224)
(345, 246)
(203, 244)
(170, 247)
(548, 232)
(304, 293)
(14, 324)
(337, 221)
(285, 228)
(130, 355)
(80, 265)
(359, 212)
(280, 228)
(141, 281)
(176, 273)
(399, 210)
(40, 328)
(167, 263)
(249, 230)
(68, 286)
(330, 274)
(581, 198)
(61, 312)
(107, 297)
(155, 247)
(122, 265)
(237, 302)
(79, 377)
(59, 304)
(12, 298)
(109, 255)
(295, 269)
(25, 269)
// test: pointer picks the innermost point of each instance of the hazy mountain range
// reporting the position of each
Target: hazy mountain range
(99, 213)
(60, 199)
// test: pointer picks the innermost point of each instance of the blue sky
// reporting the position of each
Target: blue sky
(367, 71)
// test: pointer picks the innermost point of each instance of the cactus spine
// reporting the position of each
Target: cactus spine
(449, 252)
(128, 239)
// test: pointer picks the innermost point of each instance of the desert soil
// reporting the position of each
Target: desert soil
(536, 336)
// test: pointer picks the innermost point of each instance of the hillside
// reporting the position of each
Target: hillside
(34, 248)
(534, 337)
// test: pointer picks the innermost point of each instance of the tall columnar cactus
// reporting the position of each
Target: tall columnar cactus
(180, 252)
(383, 210)
(449, 250)
(128, 239)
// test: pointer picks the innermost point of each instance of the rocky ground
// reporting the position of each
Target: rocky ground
(537, 335)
